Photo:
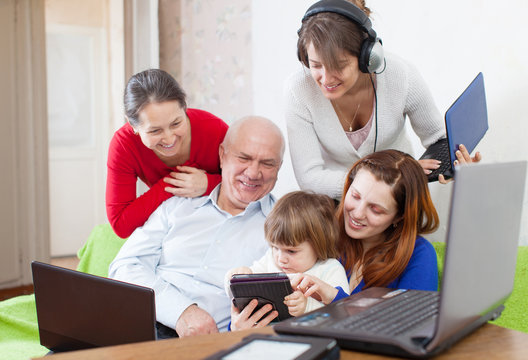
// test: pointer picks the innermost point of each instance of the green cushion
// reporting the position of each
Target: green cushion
(19, 338)
(99, 250)
(515, 314)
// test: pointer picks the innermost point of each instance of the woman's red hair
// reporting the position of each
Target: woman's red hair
(385, 262)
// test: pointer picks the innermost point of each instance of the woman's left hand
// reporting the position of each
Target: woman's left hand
(188, 182)
(313, 286)
(463, 157)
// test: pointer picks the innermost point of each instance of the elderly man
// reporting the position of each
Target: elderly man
(185, 248)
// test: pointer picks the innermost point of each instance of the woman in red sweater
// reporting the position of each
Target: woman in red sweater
(172, 149)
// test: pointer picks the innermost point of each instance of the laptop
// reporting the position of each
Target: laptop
(466, 122)
(77, 311)
(479, 269)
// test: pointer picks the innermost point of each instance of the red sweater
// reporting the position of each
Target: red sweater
(129, 159)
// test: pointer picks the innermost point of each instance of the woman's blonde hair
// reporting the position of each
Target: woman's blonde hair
(301, 216)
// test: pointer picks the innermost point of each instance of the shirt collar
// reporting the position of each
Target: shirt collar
(265, 204)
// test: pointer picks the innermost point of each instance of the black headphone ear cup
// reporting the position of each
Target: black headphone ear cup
(364, 55)
(371, 57)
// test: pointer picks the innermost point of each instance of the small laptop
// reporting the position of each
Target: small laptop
(77, 311)
(479, 269)
(466, 122)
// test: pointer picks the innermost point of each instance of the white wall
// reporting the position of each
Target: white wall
(449, 41)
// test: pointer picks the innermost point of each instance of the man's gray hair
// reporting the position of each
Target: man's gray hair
(262, 121)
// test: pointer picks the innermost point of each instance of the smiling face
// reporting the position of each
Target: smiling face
(369, 209)
(250, 163)
(294, 259)
(164, 128)
(334, 83)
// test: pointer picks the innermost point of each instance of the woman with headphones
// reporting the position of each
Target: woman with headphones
(351, 99)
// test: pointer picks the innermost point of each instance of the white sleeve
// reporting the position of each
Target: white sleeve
(424, 116)
(136, 263)
(264, 264)
(306, 156)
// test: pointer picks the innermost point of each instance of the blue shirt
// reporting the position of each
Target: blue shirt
(421, 272)
(184, 250)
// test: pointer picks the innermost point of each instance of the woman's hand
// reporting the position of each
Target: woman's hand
(241, 320)
(188, 182)
(314, 287)
(429, 165)
(463, 157)
(296, 303)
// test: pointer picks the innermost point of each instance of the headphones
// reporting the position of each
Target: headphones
(371, 58)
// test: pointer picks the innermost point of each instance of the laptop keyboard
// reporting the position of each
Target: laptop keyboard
(394, 316)
(446, 164)
(439, 151)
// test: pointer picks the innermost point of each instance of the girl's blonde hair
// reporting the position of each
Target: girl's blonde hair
(301, 216)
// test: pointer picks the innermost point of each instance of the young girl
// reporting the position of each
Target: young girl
(302, 232)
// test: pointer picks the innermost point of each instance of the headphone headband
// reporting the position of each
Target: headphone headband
(371, 58)
(346, 9)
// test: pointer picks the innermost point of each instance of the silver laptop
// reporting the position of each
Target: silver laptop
(479, 269)
(76, 310)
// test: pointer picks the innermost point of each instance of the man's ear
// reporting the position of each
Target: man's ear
(221, 152)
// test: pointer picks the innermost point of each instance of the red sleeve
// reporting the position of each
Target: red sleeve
(208, 132)
(126, 212)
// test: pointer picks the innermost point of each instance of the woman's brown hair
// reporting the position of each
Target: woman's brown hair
(416, 213)
(301, 216)
(331, 34)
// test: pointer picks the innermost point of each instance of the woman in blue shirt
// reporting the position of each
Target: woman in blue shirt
(385, 208)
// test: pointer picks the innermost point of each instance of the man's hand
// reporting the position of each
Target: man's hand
(195, 321)
(241, 320)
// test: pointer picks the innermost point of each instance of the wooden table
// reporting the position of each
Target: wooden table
(488, 342)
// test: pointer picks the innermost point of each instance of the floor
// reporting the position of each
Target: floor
(67, 262)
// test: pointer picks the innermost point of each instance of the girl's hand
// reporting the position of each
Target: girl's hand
(241, 320)
(314, 287)
(187, 182)
(296, 303)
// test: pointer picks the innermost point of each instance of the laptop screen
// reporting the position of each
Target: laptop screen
(76, 310)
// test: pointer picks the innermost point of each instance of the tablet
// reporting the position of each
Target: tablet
(261, 346)
(267, 288)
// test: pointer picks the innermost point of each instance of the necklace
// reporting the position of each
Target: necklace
(354, 118)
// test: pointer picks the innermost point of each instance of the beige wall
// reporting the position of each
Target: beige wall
(76, 12)
(207, 46)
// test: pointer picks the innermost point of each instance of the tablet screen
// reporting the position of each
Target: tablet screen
(267, 349)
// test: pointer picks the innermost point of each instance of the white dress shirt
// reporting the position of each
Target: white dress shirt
(184, 250)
